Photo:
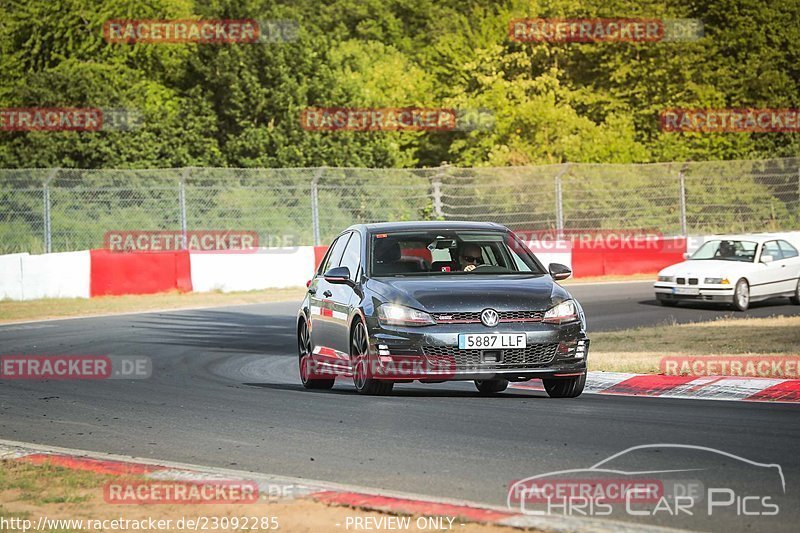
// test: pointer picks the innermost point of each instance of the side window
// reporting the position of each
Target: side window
(787, 249)
(352, 255)
(440, 255)
(771, 248)
(489, 256)
(335, 256)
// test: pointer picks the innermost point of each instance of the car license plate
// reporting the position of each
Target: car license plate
(491, 341)
(685, 290)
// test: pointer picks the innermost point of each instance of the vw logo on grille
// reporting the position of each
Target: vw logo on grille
(489, 317)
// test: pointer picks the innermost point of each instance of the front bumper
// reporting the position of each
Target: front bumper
(431, 353)
(693, 293)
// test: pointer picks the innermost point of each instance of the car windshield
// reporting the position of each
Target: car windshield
(727, 250)
(449, 253)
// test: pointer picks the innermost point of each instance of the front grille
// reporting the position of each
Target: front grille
(453, 318)
(692, 281)
(680, 281)
(475, 318)
(533, 355)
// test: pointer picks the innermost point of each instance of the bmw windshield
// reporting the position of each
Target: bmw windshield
(444, 253)
(727, 250)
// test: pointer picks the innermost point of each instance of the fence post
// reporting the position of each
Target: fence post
(315, 204)
(560, 203)
(182, 203)
(682, 179)
(436, 189)
(48, 234)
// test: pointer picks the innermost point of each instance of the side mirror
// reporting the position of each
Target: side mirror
(686, 255)
(767, 258)
(559, 271)
(340, 274)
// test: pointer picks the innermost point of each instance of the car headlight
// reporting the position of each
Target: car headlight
(401, 315)
(665, 278)
(717, 281)
(563, 312)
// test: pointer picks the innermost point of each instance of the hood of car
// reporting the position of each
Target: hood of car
(471, 293)
(707, 267)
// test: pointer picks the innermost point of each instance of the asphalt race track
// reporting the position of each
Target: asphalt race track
(225, 392)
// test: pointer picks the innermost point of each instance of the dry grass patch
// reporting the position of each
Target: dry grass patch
(641, 349)
(31, 491)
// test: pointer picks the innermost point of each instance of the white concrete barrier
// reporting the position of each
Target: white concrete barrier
(60, 275)
(267, 268)
(11, 276)
(551, 252)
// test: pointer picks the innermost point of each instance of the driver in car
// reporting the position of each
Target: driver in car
(469, 257)
(726, 249)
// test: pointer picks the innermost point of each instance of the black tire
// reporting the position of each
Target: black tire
(741, 295)
(359, 360)
(668, 303)
(796, 298)
(565, 388)
(491, 386)
(304, 351)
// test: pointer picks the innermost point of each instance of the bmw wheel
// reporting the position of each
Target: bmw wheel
(741, 295)
(360, 362)
(306, 362)
(565, 388)
(796, 298)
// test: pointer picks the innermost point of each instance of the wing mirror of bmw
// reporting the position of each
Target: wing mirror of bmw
(340, 274)
(767, 258)
(559, 271)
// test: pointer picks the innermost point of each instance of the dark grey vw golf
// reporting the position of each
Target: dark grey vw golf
(439, 301)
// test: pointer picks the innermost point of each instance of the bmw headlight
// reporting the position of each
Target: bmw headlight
(560, 313)
(400, 315)
(665, 278)
(717, 281)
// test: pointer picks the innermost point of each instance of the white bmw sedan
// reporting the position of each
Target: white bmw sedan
(733, 269)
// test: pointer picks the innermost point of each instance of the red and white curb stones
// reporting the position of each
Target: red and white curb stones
(688, 387)
(321, 491)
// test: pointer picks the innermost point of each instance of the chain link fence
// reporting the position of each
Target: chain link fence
(54, 210)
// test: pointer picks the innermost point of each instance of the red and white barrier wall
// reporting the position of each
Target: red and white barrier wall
(100, 272)
(92, 273)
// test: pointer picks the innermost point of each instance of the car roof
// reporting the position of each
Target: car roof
(754, 237)
(428, 225)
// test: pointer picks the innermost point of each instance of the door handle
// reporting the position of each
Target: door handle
(327, 294)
